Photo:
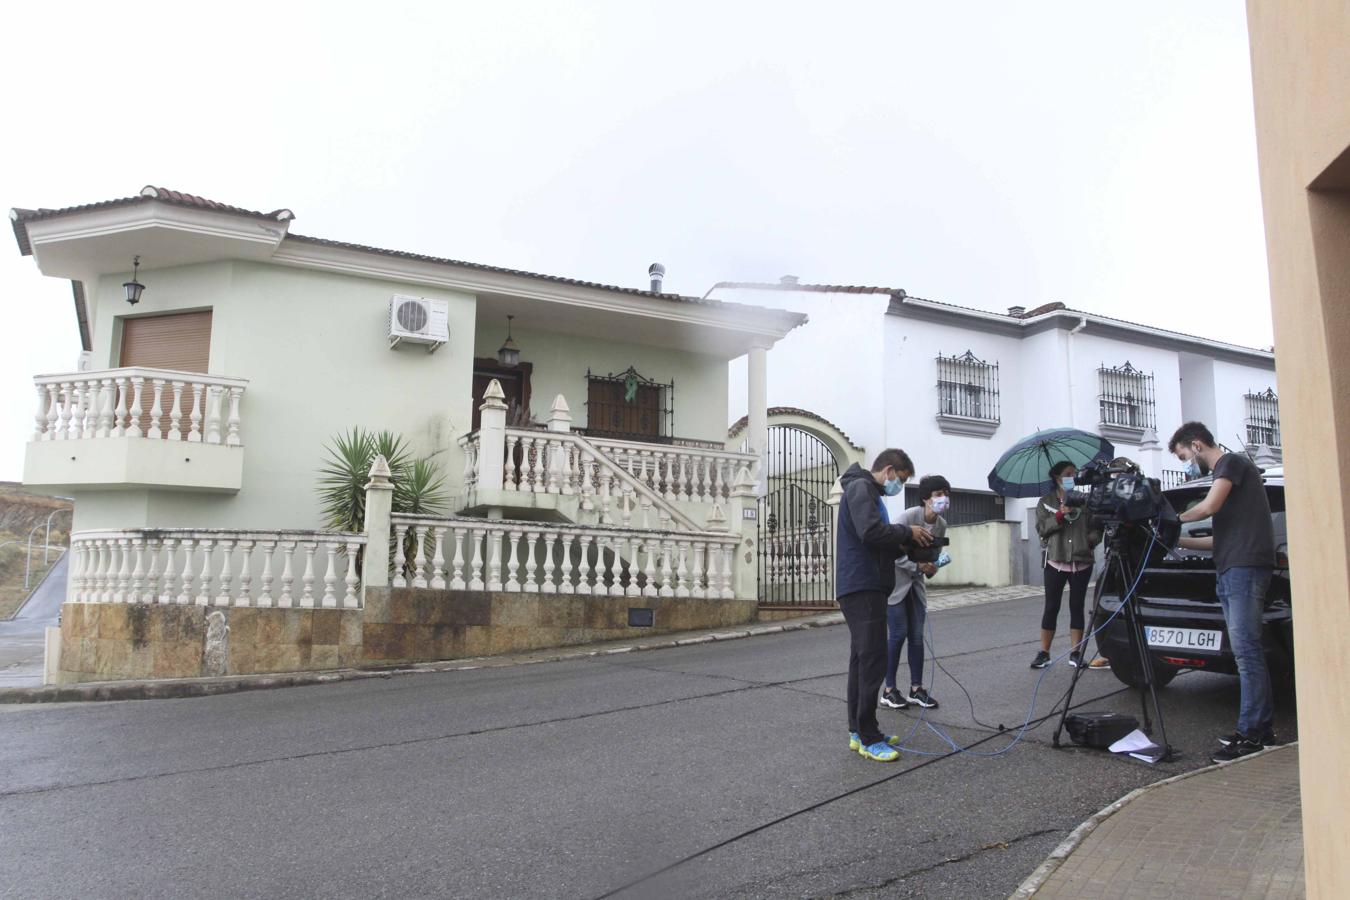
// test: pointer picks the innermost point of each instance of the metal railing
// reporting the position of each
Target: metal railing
(1126, 397)
(1263, 418)
(968, 387)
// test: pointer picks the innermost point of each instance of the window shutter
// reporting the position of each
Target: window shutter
(181, 342)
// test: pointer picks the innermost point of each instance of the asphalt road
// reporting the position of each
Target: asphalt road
(21, 638)
(572, 779)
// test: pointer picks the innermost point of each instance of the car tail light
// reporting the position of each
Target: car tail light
(1179, 661)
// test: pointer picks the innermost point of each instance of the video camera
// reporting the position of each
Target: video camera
(930, 553)
(1118, 492)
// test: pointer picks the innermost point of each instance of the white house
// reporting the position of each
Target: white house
(221, 353)
(955, 386)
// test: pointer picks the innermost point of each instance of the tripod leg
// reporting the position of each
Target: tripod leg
(1078, 672)
(1148, 690)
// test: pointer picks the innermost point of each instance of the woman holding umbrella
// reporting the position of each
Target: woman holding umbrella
(1069, 540)
(1044, 465)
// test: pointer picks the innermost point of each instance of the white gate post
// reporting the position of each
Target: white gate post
(379, 505)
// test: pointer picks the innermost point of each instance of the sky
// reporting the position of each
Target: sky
(987, 154)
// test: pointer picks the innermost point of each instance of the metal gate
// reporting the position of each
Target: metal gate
(796, 523)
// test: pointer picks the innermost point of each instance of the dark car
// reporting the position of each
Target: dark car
(1179, 608)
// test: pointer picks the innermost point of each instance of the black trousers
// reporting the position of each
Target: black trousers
(865, 613)
(1054, 593)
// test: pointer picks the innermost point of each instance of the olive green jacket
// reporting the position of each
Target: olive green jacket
(1065, 542)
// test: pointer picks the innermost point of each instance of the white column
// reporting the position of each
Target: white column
(1150, 454)
(379, 501)
(492, 438)
(757, 430)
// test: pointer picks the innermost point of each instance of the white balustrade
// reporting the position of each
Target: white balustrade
(157, 404)
(623, 481)
(535, 557)
(210, 567)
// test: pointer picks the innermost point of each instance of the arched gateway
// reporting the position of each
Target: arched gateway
(803, 459)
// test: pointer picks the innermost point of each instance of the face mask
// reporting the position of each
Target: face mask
(892, 486)
(940, 504)
(1193, 468)
(1066, 483)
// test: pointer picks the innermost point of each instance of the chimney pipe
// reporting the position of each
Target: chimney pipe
(658, 274)
(789, 280)
(1017, 312)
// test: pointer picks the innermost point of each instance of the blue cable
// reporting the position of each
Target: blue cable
(1031, 711)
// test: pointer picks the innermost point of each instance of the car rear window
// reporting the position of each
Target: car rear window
(1183, 499)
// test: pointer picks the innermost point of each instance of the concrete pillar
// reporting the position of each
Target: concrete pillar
(1150, 454)
(379, 509)
(560, 415)
(757, 426)
(492, 439)
(744, 504)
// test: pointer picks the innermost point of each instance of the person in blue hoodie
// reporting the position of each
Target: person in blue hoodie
(866, 548)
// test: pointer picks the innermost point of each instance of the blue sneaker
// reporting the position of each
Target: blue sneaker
(854, 741)
(881, 751)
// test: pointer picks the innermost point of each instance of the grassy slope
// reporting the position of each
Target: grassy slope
(19, 514)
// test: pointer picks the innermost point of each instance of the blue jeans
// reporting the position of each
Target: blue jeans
(1242, 594)
(905, 619)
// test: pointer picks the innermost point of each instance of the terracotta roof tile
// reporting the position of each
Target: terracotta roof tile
(19, 218)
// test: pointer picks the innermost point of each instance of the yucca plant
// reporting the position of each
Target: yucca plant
(418, 483)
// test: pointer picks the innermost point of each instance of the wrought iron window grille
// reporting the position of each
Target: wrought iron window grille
(630, 405)
(968, 387)
(1263, 418)
(1126, 397)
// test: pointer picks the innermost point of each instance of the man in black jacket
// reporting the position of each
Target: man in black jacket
(866, 548)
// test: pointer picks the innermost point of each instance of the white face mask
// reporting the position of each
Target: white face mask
(940, 504)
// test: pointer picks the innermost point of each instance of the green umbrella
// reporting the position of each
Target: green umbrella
(1024, 470)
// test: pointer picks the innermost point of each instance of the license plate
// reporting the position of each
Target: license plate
(1184, 638)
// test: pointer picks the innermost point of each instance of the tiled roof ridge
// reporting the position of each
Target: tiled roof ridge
(561, 279)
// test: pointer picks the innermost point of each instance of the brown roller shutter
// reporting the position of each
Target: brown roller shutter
(181, 342)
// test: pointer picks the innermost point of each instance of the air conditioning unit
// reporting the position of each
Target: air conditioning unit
(418, 320)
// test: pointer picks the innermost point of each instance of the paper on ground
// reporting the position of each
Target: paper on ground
(1133, 742)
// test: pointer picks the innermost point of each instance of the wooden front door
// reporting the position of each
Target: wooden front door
(515, 382)
(179, 341)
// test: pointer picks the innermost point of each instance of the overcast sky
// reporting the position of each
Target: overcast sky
(987, 154)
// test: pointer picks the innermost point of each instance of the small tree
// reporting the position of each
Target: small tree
(418, 483)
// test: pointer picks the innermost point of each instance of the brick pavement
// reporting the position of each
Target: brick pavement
(1231, 831)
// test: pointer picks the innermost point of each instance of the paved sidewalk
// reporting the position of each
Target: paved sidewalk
(1229, 831)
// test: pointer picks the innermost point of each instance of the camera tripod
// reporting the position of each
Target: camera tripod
(1117, 560)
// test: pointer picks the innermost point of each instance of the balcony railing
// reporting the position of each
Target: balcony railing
(533, 557)
(157, 404)
(209, 567)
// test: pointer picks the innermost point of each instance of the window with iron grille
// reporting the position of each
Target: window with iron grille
(968, 387)
(629, 405)
(1126, 398)
(1263, 418)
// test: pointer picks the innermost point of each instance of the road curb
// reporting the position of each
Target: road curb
(1037, 879)
(167, 689)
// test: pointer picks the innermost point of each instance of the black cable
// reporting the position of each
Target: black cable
(828, 800)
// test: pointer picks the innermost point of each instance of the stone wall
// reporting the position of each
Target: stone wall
(115, 641)
(410, 624)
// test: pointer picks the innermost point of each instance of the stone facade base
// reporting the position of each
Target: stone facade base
(114, 641)
(407, 624)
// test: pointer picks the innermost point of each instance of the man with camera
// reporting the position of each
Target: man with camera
(866, 547)
(1244, 559)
